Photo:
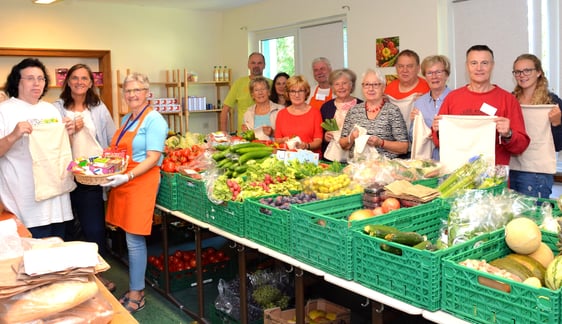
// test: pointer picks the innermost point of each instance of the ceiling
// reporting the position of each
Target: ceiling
(214, 5)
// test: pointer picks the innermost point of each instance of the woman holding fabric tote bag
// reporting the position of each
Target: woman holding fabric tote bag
(31, 131)
(94, 130)
(532, 172)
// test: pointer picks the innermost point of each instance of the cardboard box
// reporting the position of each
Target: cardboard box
(333, 314)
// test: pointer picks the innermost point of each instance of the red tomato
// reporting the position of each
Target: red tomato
(169, 166)
(390, 204)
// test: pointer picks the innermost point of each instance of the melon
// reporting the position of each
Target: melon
(523, 235)
(543, 254)
(553, 274)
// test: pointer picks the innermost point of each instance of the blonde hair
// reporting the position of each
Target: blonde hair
(297, 81)
(434, 59)
(541, 94)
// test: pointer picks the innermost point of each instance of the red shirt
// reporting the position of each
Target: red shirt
(306, 126)
(393, 90)
(465, 102)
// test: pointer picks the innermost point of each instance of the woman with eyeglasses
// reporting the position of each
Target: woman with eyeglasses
(261, 116)
(20, 116)
(383, 120)
(80, 102)
(436, 70)
(535, 178)
(132, 197)
(299, 119)
(342, 82)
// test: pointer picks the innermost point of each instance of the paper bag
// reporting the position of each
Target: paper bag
(540, 156)
(422, 143)
(50, 151)
(84, 144)
(334, 152)
(462, 137)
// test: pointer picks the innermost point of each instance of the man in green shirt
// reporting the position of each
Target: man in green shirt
(239, 94)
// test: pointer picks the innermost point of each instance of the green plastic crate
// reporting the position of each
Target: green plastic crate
(192, 197)
(321, 235)
(415, 275)
(268, 225)
(465, 297)
(167, 191)
(228, 216)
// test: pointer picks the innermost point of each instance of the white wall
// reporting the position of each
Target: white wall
(148, 40)
(415, 21)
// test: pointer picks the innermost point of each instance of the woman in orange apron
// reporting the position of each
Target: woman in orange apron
(133, 195)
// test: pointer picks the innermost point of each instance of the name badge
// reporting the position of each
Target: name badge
(320, 96)
(488, 110)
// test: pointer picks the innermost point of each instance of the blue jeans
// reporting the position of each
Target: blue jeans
(136, 246)
(531, 184)
(89, 210)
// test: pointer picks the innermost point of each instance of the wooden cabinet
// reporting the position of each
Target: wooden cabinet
(219, 96)
(103, 57)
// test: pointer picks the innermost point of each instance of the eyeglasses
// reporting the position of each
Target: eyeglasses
(375, 85)
(260, 90)
(405, 66)
(31, 78)
(436, 73)
(522, 72)
(297, 92)
(135, 91)
(483, 64)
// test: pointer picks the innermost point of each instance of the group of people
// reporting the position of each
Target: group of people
(382, 120)
(141, 135)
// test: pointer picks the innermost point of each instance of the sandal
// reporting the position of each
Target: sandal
(110, 285)
(132, 305)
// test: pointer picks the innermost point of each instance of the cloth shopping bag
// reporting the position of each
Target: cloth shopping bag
(540, 156)
(422, 143)
(462, 137)
(50, 151)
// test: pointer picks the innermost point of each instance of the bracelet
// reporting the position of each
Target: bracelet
(131, 175)
(382, 143)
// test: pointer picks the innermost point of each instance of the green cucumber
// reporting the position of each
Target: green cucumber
(219, 155)
(424, 245)
(236, 147)
(406, 238)
(255, 155)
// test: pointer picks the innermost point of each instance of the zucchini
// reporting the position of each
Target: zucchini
(406, 238)
(379, 231)
(222, 163)
(255, 155)
(424, 245)
(391, 249)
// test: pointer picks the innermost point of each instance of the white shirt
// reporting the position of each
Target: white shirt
(17, 189)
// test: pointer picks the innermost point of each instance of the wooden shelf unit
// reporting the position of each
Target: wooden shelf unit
(104, 64)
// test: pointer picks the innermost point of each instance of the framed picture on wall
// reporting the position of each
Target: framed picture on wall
(387, 51)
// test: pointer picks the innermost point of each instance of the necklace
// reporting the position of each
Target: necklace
(374, 109)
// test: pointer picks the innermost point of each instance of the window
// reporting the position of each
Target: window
(291, 49)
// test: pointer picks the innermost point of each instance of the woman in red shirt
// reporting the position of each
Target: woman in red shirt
(299, 119)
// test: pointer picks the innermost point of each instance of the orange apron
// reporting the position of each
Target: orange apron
(131, 205)
(315, 103)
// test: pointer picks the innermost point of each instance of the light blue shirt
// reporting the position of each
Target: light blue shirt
(150, 137)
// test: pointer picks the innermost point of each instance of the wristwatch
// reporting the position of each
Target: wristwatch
(508, 134)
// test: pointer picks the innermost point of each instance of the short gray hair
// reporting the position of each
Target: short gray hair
(377, 73)
(323, 60)
(138, 77)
